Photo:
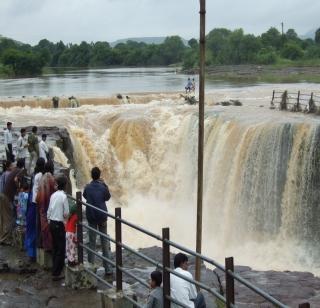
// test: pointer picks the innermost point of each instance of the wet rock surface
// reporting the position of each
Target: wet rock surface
(55, 137)
(27, 285)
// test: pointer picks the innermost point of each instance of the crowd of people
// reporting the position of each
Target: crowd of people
(33, 201)
(30, 198)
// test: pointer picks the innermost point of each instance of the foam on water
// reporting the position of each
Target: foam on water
(261, 172)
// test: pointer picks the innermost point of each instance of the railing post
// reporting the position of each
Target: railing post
(298, 101)
(118, 250)
(229, 282)
(79, 226)
(273, 93)
(166, 263)
(304, 305)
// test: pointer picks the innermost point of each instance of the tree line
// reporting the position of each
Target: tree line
(223, 47)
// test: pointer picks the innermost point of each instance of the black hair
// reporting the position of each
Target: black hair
(40, 164)
(44, 136)
(95, 173)
(61, 182)
(20, 163)
(6, 165)
(179, 259)
(22, 130)
(49, 167)
(156, 276)
(34, 129)
(9, 123)
(25, 185)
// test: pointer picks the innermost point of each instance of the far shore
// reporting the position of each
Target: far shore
(262, 73)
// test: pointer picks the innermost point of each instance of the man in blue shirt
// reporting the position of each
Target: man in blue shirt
(97, 193)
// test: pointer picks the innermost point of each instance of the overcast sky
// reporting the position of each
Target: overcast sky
(108, 20)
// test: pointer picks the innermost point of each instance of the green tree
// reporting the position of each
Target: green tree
(272, 38)
(173, 49)
(317, 36)
(218, 45)
(193, 43)
(292, 35)
(292, 51)
(101, 54)
(23, 63)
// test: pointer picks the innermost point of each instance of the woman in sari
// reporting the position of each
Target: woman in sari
(31, 215)
(46, 189)
(6, 213)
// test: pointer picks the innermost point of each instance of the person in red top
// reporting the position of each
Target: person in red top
(71, 237)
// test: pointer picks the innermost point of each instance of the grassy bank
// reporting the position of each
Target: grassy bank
(283, 72)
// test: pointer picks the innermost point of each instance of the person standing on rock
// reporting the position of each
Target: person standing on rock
(57, 214)
(6, 213)
(31, 216)
(8, 142)
(45, 190)
(181, 290)
(22, 146)
(43, 148)
(97, 193)
(33, 148)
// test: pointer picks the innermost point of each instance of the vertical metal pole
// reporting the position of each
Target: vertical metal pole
(79, 226)
(229, 281)
(298, 101)
(118, 250)
(273, 92)
(201, 134)
(166, 263)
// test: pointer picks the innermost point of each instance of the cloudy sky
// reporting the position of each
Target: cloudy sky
(109, 20)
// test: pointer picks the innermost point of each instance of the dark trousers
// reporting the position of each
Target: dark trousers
(105, 244)
(200, 301)
(58, 246)
(9, 153)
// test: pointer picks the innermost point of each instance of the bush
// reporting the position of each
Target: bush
(23, 63)
(292, 51)
(266, 57)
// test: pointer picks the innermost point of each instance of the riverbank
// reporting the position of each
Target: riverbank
(263, 73)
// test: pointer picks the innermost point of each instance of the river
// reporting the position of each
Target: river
(262, 166)
(101, 82)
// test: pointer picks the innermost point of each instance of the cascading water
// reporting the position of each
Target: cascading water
(261, 195)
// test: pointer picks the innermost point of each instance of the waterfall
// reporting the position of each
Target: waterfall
(261, 175)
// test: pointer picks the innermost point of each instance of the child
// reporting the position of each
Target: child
(155, 299)
(21, 205)
(58, 211)
(71, 237)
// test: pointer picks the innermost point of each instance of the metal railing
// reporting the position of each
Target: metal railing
(310, 102)
(228, 269)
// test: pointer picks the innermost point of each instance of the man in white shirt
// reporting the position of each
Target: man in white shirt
(183, 291)
(43, 148)
(8, 142)
(58, 212)
(22, 145)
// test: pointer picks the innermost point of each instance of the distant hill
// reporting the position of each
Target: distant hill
(148, 40)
